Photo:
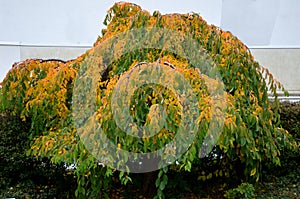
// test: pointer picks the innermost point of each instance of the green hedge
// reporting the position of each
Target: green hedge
(22, 176)
(290, 161)
(290, 118)
(13, 143)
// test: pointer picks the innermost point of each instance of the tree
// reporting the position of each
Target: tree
(42, 91)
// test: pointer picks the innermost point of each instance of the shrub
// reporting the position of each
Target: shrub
(290, 118)
(41, 92)
(13, 142)
(289, 159)
(24, 176)
(244, 190)
(1, 101)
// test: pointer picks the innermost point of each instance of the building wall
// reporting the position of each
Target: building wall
(11, 53)
(283, 63)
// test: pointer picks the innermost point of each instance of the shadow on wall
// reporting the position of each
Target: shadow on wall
(252, 20)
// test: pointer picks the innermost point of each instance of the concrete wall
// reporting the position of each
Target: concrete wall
(11, 53)
(284, 64)
(46, 52)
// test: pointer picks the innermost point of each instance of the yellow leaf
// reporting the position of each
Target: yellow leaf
(253, 172)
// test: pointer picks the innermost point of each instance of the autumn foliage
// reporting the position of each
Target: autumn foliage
(41, 92)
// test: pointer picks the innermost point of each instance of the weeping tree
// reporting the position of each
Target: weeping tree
(156, 92)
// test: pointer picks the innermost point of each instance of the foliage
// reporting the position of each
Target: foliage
(1, 101)
(12, 147)
(283, 184)
(289, 115)
(289, 159)
(22, 176)
(244, 190)
(41, 92)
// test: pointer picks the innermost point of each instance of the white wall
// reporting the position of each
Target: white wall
(284, 64)
(71, 22)
(8, 55)
(268, 23)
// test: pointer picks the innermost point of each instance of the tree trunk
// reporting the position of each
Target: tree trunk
(148, 188)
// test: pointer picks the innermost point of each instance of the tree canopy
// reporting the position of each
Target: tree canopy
(41, 91)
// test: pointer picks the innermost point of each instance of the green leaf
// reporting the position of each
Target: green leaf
(157, 182)
(162, 185)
